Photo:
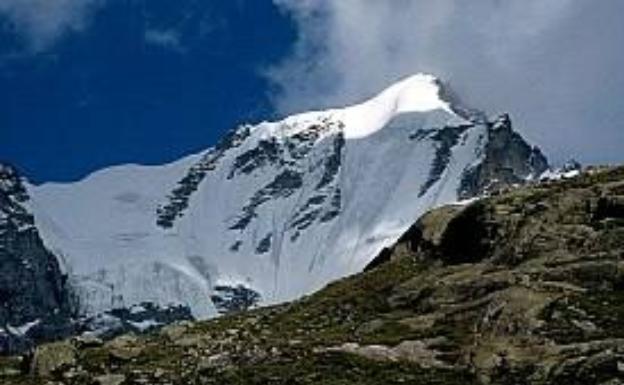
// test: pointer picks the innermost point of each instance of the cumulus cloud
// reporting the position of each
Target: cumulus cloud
(42, 22)
(555, 65)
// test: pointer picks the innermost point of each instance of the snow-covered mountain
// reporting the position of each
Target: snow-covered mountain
(275, 210)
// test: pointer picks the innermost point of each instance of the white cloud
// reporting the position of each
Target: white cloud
(168, 38)
(554, 64)
(44, 21)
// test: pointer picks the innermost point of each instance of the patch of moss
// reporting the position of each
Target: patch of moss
(337, 368)
(606, 311)
(390, 333)
(11, 367)
(585, 317)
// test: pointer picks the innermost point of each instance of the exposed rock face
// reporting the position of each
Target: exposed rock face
(232, 299)
(508, 160)
(178, 199)
(142, 318)
(522, 288)
(34, 295)
(445, 140)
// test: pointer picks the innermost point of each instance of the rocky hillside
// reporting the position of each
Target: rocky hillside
(524, 287)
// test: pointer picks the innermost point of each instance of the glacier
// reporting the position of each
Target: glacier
(281, 208)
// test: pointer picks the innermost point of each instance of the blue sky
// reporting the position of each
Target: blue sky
(144, 81)
(90, 83)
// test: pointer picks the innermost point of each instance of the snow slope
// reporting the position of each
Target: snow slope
(281, 208)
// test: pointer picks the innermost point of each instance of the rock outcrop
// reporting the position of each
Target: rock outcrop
(508, 160)
(34, 297)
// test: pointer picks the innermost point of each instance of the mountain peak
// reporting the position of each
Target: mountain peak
(417, 93)
(276, 210)
(420, 93)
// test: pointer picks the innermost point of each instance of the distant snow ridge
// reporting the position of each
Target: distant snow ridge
(278, 209)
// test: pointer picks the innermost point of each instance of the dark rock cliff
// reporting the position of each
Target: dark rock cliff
(32, 287)
(508, 160)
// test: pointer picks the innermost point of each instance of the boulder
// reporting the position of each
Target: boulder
(52, 358)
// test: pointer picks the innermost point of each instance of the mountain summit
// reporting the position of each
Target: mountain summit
(278, 209)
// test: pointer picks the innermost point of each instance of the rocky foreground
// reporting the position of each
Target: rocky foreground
(525, 287)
